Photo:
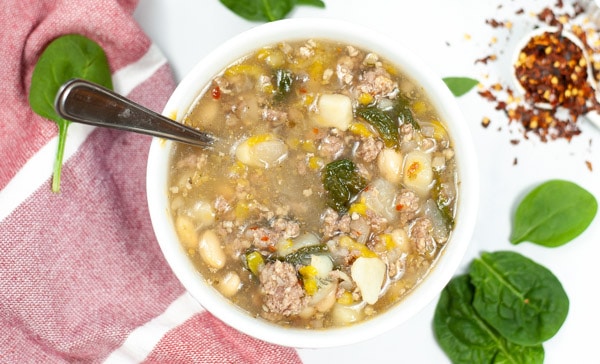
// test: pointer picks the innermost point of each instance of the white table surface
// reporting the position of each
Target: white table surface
(449, 36)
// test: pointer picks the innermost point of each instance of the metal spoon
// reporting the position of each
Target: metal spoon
(89, 103)
(592, 115)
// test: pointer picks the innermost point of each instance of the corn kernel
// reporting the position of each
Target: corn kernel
(388, 241)
(360, 129)
(243, 69)
(315, 163)
(345, 298)
(242, 210)
(308, 146)
(350, 244)
(310, 286)
(308, 271)
(419, 107)
(365, 98)
(359, 208)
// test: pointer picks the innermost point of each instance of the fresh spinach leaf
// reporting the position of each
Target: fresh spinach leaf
(266, 10)
(460, 85)
(553, 214)
(342, 182)
(466, 338)
(521, 299)
(69, 56)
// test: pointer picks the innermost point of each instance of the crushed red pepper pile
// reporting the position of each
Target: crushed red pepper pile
(553, 73)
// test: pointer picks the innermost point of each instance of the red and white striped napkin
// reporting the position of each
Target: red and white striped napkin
(82, 278)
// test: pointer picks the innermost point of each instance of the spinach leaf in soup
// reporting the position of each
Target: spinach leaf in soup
(521, 299)
(266, 10)
(386, 126)
(467, 338)
(342, 182)
(67, 57)
(284, 79)
(553, 214)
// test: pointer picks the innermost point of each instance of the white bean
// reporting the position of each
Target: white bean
(389, 163)
(230, 284)
(186, 231)
(210, 250)
(418, 173)
(263, 150)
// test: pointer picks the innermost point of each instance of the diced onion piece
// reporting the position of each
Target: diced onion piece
(389, 162)
(322, 263)
(368, 273)
(440, 229)
(335, 111)
(263, 150)
(380, 197)
(418, 173)
(324, 299)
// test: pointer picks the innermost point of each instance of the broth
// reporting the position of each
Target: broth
(330, 193)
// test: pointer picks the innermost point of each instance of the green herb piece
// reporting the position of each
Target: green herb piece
(460, 85)
(519, 298)
(302, 255)
(66, 57)
(553, 214)
(283, 81)
(386, 126)
(342, 182)
(466, 338)
(266, 10)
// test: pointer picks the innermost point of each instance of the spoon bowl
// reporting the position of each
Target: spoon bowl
(89, 103)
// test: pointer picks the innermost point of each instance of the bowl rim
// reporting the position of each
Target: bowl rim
(194, 84)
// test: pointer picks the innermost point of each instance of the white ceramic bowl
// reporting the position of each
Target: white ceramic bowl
(195, 82)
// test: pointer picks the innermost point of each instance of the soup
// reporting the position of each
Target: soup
(330, 193)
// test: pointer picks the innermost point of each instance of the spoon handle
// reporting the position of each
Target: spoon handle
(88, 103)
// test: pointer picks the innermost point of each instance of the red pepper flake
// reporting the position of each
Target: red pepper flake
(588, 164)
(216, 93)
(486, 59)
(399, 207)
(303, 90)
(264, 238)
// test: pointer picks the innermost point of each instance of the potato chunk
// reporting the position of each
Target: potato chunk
(368, 273)
(334, 111)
